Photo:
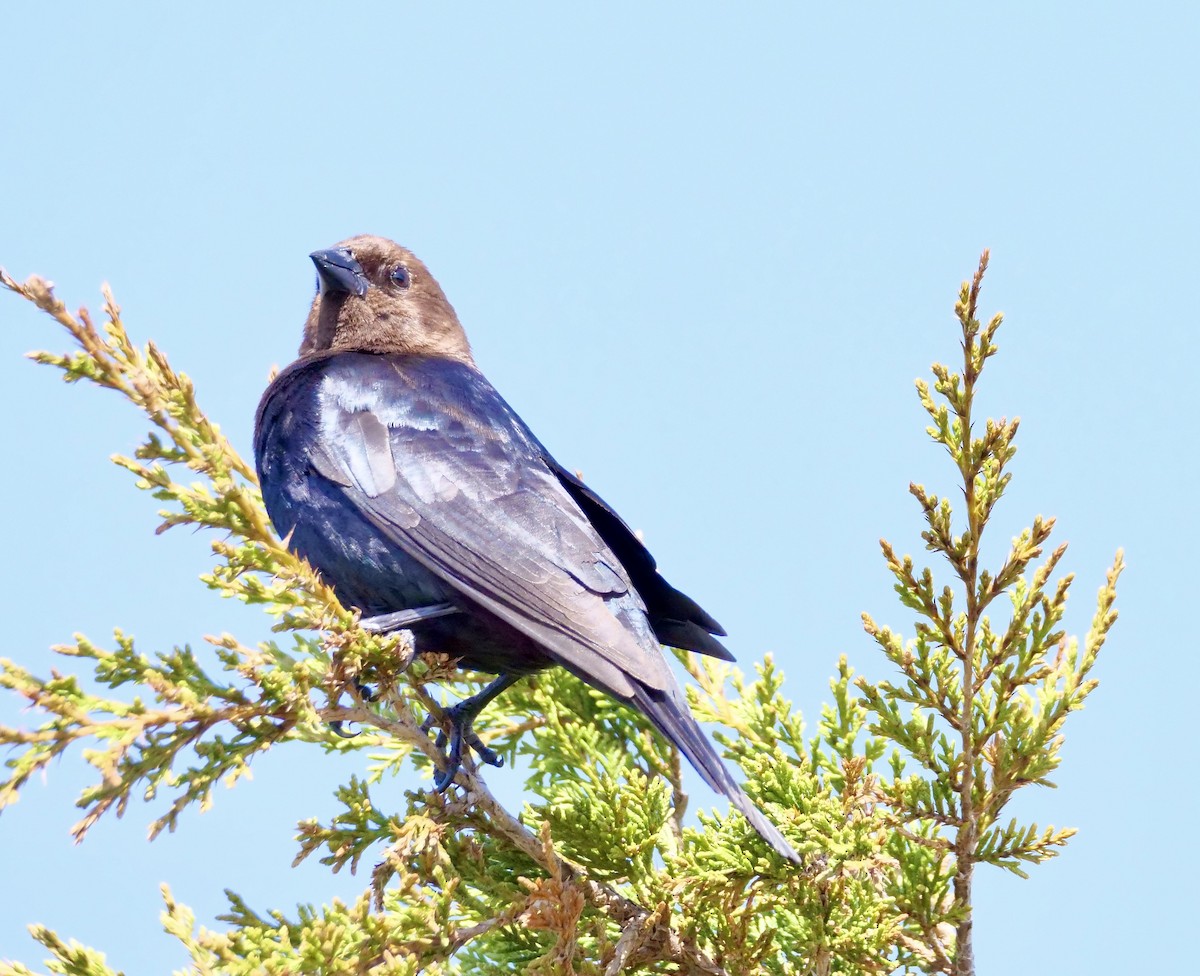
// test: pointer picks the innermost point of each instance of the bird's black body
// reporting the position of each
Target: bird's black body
(469, 470)
(407, 481)
(337, 526)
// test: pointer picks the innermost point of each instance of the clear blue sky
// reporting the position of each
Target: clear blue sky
(704, 250)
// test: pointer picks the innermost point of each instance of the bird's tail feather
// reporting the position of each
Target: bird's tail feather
(670, 714)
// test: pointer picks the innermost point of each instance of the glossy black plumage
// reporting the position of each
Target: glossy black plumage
(407, 481)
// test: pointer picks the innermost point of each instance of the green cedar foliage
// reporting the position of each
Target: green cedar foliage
(892, 801)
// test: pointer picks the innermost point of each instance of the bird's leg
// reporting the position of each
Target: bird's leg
(461, 717)
(385, 623)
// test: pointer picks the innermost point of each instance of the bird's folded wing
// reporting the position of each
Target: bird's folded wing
(468, 499)
(676, 618)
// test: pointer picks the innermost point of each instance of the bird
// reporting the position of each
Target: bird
(389, 462)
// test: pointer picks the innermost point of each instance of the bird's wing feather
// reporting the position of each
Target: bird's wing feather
(465, 493)
(676, 618)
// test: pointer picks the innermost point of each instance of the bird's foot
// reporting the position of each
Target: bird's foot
(460, 717)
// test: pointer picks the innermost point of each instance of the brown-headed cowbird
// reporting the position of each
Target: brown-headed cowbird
(393, 466)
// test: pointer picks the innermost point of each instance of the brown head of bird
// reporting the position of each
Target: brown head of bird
(375, 296)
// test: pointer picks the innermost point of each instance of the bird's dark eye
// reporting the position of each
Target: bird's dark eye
(401, 277)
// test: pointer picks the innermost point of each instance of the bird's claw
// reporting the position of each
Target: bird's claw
(367, 695)
(339, 729)
(461, 732)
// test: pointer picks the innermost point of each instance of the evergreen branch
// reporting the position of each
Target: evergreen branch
(230, 501)
(981, 708)
(70, 958)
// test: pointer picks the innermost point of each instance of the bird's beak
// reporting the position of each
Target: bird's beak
(339, 272)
